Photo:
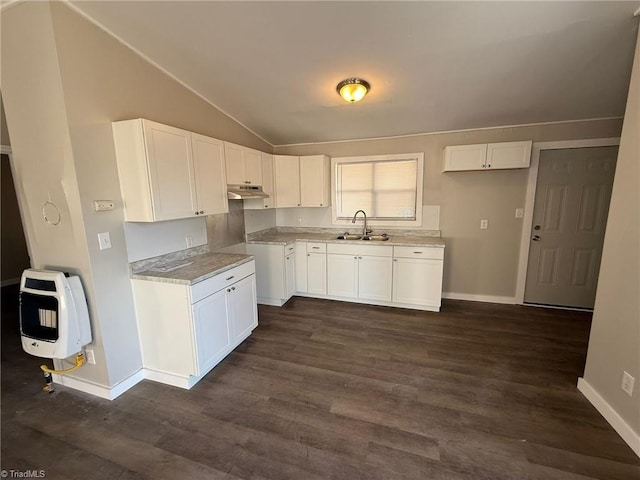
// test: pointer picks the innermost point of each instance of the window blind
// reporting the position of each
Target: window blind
(385, 189)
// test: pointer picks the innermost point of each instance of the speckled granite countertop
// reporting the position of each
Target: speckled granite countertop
(280, 237)
(190, 269)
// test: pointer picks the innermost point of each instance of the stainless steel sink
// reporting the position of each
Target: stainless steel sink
(349, 236)
(383, 237)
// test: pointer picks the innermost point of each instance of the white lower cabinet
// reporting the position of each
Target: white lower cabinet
(417, 276)
(186, 330)
(275, 272)
(359, 271)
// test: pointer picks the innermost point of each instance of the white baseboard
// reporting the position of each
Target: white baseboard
(10, 281)
(110, 393)
(479, 298)
(610, 415)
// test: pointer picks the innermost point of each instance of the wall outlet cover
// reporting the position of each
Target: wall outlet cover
(627, 383)
(484, 224)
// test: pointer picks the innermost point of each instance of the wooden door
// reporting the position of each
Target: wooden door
(569, 220)
(209, 168)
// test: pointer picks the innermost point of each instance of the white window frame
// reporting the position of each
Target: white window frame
(335, 161)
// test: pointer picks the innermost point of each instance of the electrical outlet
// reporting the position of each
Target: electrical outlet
(103, 205)
(90, 356)
(519, 212)
(104, 240)
(484, 224)
(189, 241)
(627, 383)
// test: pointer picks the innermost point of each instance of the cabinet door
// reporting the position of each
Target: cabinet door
(267, 186)
(209, 168)
(314, 181)
(317, 273)
(375, 278)
(287, 180)
(243, 313)
(342, 275)
(290, 275)
(170, 171)
(234, 161)
(270, 274)
(465, 157)
(301, 267)
(252, 167)
(508, 155)
(211, 329)
(417, 281)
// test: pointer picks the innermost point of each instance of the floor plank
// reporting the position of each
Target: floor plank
(332, 390)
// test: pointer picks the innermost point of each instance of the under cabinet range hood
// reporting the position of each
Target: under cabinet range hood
(244, 192)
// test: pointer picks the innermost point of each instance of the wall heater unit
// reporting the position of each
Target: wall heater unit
(54, 320)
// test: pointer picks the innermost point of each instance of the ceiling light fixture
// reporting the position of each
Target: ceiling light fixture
(353, 89)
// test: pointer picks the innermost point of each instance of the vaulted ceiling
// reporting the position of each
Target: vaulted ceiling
(433, 66)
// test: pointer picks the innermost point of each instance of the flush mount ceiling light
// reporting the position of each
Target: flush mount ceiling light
(353, 89)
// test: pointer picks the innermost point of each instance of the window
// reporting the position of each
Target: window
(387, 187)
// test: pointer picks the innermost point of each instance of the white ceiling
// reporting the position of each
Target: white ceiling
(433, 66)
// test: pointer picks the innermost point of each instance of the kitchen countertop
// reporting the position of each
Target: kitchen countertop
(284, 238)
(196, 268)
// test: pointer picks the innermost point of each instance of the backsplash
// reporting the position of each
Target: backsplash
(226, 228)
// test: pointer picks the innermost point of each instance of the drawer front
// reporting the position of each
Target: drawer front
(359, 249)
(433, 253)
(316, 247)
(211, 285)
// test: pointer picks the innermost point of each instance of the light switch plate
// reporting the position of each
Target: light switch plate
(104, 240)
(519, 212)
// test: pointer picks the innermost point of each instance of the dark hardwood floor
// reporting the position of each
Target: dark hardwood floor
(332, 390)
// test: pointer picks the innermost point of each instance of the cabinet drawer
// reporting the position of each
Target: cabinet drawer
(434, 253)
(316, 247)
(359, 249)
(211, 285)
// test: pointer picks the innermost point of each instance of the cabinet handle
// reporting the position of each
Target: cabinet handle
(395, 259)
(316, 248)
(229, 278)
(266, 206)
(197, 213)
(417, 252)
(233, 288)
(228, 289)
(355, 258)
(247, 182)
(321, 205)
(308, 254)
(489, 166)
(484, 166)
(360, 258)
(298, 204)
(201, 212)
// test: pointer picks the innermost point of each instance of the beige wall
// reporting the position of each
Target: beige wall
(614, 344)
(477, 262)
(4, 133)
(78, 79)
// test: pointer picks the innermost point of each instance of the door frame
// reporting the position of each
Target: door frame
(532, 184)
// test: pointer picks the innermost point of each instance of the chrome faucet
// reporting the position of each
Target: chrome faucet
(365, 230)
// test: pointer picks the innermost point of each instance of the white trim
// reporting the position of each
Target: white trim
(171, 379)
(159, 67)
(532, 183)
(110, 393)
(479, 298)
(6, 149)
(557, 307)
(610, 415)
(443, 132)
(10, 281)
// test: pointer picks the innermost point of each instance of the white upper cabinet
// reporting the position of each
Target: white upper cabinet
(302, 181)
(287, 180)
(159, 168)
(267, 186)
(209, 168)
(492, 156)
(315, 176)
(244, 165)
